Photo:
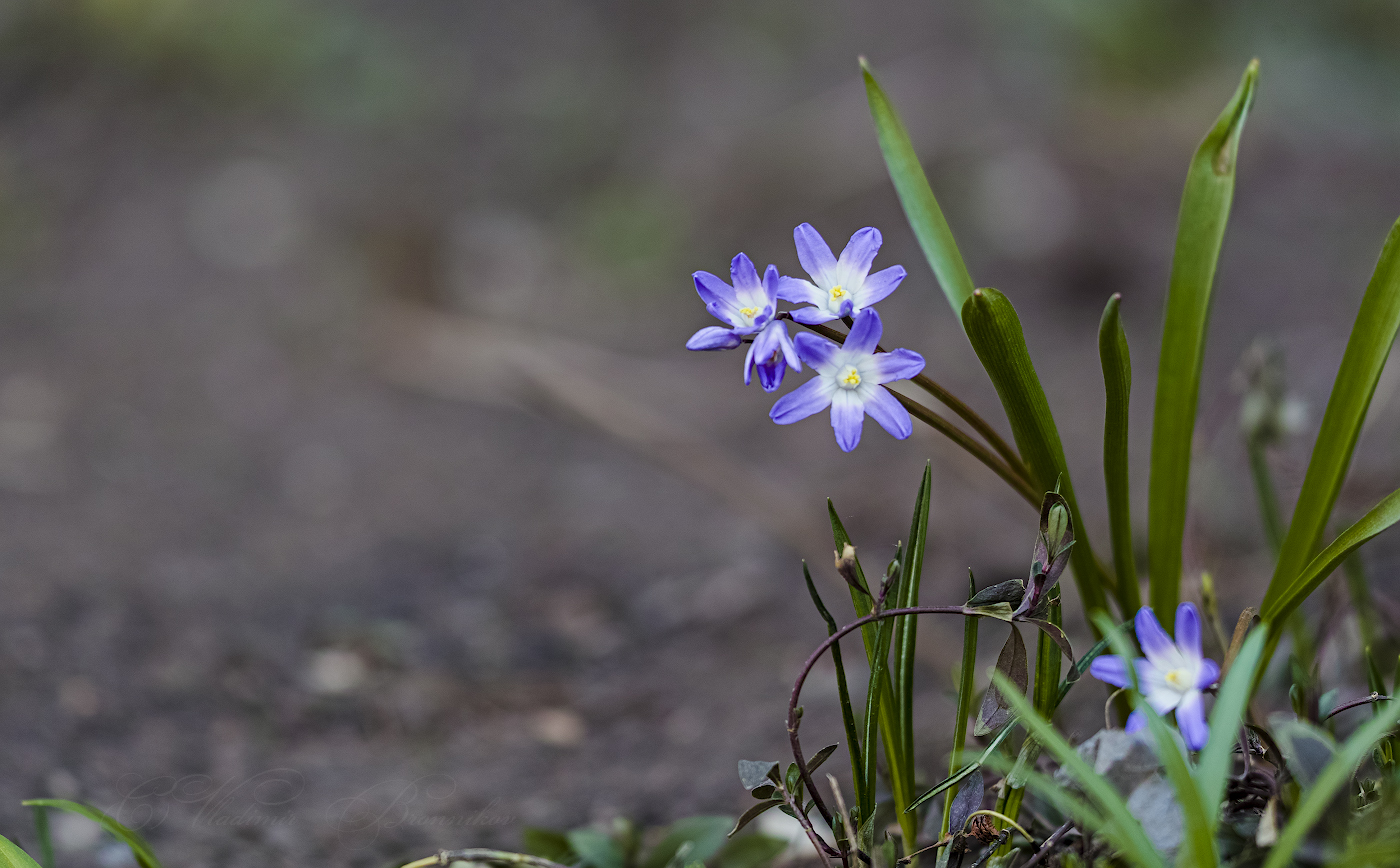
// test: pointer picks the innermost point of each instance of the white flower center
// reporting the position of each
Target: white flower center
(849, 378)
(1181, 679)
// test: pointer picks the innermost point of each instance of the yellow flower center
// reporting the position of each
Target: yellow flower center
(850, 378)
(837, 292)
(1179, 679)
(748, 313)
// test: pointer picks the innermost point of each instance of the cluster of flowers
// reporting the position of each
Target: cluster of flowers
(850, 376)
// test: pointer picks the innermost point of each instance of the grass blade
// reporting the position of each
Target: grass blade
(905, 628)
(848, 716)
(1120, 824)
(1218, 756)
(962, 773)
(915, 194)
(901, 788)
(1281, 600)
(41, 831)
(145, 857)
(1366, 352)
(1205, 209)
(1334, 776)
(995, 331)
(966, 687)
(1117, 384)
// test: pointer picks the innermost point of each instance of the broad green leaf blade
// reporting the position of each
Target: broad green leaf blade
(599, 850)
(1366, 352)
(1225, 719)
(706, 835)
(11, 856)
(848, 715)
(1205, 209)
(547, 844)
(1283, 599)
(994, 329)
(1117, 384)
(1121, 825)
(920, 207)
(905, 628)
(750, 851)
(145, 857)
(1334, 776)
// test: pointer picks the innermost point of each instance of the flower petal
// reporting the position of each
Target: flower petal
(865, 332)
(1188, 632)
(748, 362)
(744, 275)
(713, 338)
(1155, 642)
(813, 253)
(879, 285)
(847, 417)
(896, 365)
(886, 409)
(712, 289)
(1191, 720)
(1137, 721)
(799, 291)
(812, 315)
(779, 331)
(1209, 674)
(811, 397)
(816, 351)
(860, 252)
(1110, 670)
(771, 279)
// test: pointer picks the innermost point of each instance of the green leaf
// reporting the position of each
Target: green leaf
(820, 757)
(905, 628)
(1117, 384)
(961, 774)
(1283, 598)
(1334, 776)
(753, 813)
(145, 857)
(879, 675)
(1230, 703)
(966, 686)
(1120, 825)
(1366, 352)
(706, 835)
(756, 773)
(848, 715)
(920, 207)
(547, 844)
(11, 856)
(995, 332)
(599, 850)
(1306, 749)
(1205, 209)
(750, 851)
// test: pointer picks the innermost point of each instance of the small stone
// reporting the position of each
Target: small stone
(74, 832)
(1153, 802)
(335, 672)
(558, 727)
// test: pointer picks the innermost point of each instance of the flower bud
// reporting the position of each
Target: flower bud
(846, 566)
(1057, 529)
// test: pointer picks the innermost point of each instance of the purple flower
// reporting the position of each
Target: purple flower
(839, 287)
(850, 381)
(771, 354)
(1171, 676)
(746, 307)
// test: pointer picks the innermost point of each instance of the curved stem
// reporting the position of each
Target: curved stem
(793, 719)
(490, 857)
(1018, 483)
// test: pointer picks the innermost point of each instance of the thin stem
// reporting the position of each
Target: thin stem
(1018, 483)
(794, 720)
(1049, 844)
(1268, 498)
(954, 403)
(1356, 703)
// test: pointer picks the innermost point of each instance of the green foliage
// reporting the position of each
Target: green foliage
(702, 840)
(11, 856)
(915, 194)
(1205, 209)
(145, 857)
(1117, 384)
(994, 328)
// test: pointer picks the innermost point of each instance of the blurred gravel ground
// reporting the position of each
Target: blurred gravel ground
(281, 602)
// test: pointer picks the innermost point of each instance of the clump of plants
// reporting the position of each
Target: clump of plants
(1189, 769)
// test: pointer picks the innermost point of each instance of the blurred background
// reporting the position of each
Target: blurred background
(357, 495)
